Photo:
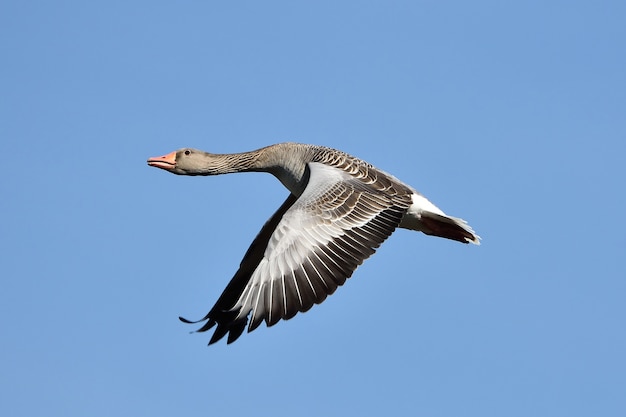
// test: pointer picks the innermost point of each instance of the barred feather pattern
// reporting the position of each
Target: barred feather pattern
(311, 245)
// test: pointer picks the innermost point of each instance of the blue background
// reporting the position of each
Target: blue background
(508, 114)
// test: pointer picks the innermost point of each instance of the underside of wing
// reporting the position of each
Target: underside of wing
(309, 247)
(221, 313)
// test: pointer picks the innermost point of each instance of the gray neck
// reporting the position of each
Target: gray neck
(286, 161)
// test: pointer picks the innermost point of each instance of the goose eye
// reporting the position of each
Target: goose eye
(187, 152)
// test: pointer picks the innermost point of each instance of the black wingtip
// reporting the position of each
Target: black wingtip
(184, 320)
(218, 334)
(236, 330)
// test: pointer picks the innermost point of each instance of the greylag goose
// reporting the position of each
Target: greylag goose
(339, 210)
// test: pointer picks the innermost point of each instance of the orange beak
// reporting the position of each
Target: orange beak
(167, 162)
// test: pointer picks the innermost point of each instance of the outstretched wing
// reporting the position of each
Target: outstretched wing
(308, 248)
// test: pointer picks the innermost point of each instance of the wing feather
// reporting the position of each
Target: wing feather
(308, 248)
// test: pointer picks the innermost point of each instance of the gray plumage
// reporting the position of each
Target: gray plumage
(339, 211)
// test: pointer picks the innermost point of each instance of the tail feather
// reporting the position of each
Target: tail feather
(448, 227)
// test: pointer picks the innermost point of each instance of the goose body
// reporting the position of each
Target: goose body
(339, 210)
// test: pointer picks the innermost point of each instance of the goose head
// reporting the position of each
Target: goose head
(186, 161)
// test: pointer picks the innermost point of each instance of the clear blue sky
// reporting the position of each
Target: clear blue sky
(511, 115)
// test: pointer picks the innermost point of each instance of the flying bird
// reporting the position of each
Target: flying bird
(339, 211)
